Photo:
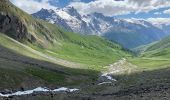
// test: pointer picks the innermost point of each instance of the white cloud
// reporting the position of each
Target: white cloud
(157, 13)
(107, 7)
(159, 20)
(76, 0)
(112, 7)
(32, 6)
(167, 11)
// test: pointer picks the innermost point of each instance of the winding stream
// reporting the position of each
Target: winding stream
(107, 76)
(39, 89)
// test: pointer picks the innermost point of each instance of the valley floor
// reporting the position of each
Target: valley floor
(130, 80)
(144, 93)
(23, 68)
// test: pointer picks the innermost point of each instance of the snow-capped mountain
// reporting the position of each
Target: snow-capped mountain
(163, 26)
(69, 19)
(166, 28)
(135, 32)
(132, 33)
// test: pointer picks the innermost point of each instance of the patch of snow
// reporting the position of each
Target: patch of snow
(86, 19)
(72, 21)
(51, 21)
(63, 14)
(104, 83)
(136, 21)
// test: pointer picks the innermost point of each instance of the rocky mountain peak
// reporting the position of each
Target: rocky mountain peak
(72, 11)
(109, 27)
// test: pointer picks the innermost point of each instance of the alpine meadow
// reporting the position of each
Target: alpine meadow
(84, 50)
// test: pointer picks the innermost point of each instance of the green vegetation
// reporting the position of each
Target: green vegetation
(164, 43)
(153, 63)
(44, 37)
(160, 49)
(41, 54)
(141, 49)
(150, 63)
(20, 71)
(49, 56)
(49, 76)
(89, 50)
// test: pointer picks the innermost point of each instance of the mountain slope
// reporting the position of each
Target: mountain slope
(134, 33)
(58, 43)
(69, 19)
(34, 51)
(161, 49)
(24, 68)
(129, 32)
(163, 25)
(27, 63)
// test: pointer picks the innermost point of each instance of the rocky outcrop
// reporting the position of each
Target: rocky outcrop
(12, 26)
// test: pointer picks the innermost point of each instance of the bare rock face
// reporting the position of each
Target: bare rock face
(12, 26)
(22, 27)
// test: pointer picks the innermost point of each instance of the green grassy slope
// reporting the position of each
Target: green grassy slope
(51, 40)
(153, 66)
(31, 63)
(90, 50)
(141, 49)
(164, 43)
(155, 56)
(36, 53)
(21, 66)
(160, 49)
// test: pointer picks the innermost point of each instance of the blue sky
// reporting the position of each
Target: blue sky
(141, 9)
(63, 3)
(158, 13)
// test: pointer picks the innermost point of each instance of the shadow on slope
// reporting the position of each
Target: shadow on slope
(17, 71)
(146, 85)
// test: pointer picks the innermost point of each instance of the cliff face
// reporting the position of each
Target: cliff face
(10, 23)
(21, 26)
(12, 26)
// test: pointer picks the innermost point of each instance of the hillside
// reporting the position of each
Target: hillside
(36, 53)
(160, 49)
(39, 35)
(134, 33)
(24, 68)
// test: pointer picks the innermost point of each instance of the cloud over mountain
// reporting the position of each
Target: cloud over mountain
(167, 11)
(119, 7)
(31, 6)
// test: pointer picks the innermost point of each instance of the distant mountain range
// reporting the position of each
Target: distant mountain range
(128, 32)
(69, 19)
(165, 26)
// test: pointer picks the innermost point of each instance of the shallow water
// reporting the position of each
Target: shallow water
(39, 89)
